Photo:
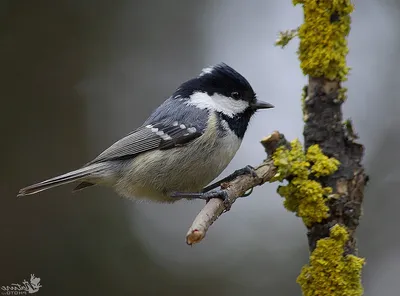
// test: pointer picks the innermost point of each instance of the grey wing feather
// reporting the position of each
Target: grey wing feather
(164, 129)
(138, 141)
(147, 138)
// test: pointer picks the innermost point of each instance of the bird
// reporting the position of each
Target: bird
(184, 144)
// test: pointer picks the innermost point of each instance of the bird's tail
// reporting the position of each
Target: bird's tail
(76, 175)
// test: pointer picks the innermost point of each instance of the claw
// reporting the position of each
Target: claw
(248, 169)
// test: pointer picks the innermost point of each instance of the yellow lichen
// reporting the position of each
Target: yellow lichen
(342, 96)
(304, 94)
(303, 196)
(323, 45)
(284, 37)
(322, 164)
(330, 273)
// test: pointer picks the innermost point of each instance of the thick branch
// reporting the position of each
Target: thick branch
(234, 189)
(324, 126)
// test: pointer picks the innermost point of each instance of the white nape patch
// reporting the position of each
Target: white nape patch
(219, 103)
(205, 71)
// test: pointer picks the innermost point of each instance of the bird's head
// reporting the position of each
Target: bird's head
(222, 89)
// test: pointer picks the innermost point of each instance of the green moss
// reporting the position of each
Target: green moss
(349, 129)
(330, 273)
(323, 45)
(304, 196)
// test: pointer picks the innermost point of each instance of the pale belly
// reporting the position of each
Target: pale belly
(155, 175)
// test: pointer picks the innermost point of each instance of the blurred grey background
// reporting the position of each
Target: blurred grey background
(77, 75)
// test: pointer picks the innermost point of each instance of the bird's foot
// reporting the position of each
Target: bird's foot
(247, 170)
(221, 194)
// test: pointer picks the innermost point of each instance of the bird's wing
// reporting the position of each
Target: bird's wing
(150, 137)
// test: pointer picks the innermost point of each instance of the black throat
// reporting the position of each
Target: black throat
(238, 123)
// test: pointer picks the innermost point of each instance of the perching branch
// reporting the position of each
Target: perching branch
(236, 188)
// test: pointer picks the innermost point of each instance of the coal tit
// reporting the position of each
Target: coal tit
(183, 146)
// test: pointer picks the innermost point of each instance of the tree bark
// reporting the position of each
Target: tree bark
(324, 126)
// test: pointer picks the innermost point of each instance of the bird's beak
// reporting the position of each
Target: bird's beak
(261, 105)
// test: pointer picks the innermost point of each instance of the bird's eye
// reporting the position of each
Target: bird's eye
(235, 95)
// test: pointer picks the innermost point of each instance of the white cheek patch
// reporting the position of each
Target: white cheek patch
(219, 103)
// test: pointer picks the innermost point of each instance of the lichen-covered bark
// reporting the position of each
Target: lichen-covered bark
(334, 268)
(329, 272)
(324, 126)
(303, 194)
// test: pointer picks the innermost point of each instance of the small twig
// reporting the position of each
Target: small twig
(234, 189)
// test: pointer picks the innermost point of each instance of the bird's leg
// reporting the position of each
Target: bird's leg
(221, 194)
(244, 171)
